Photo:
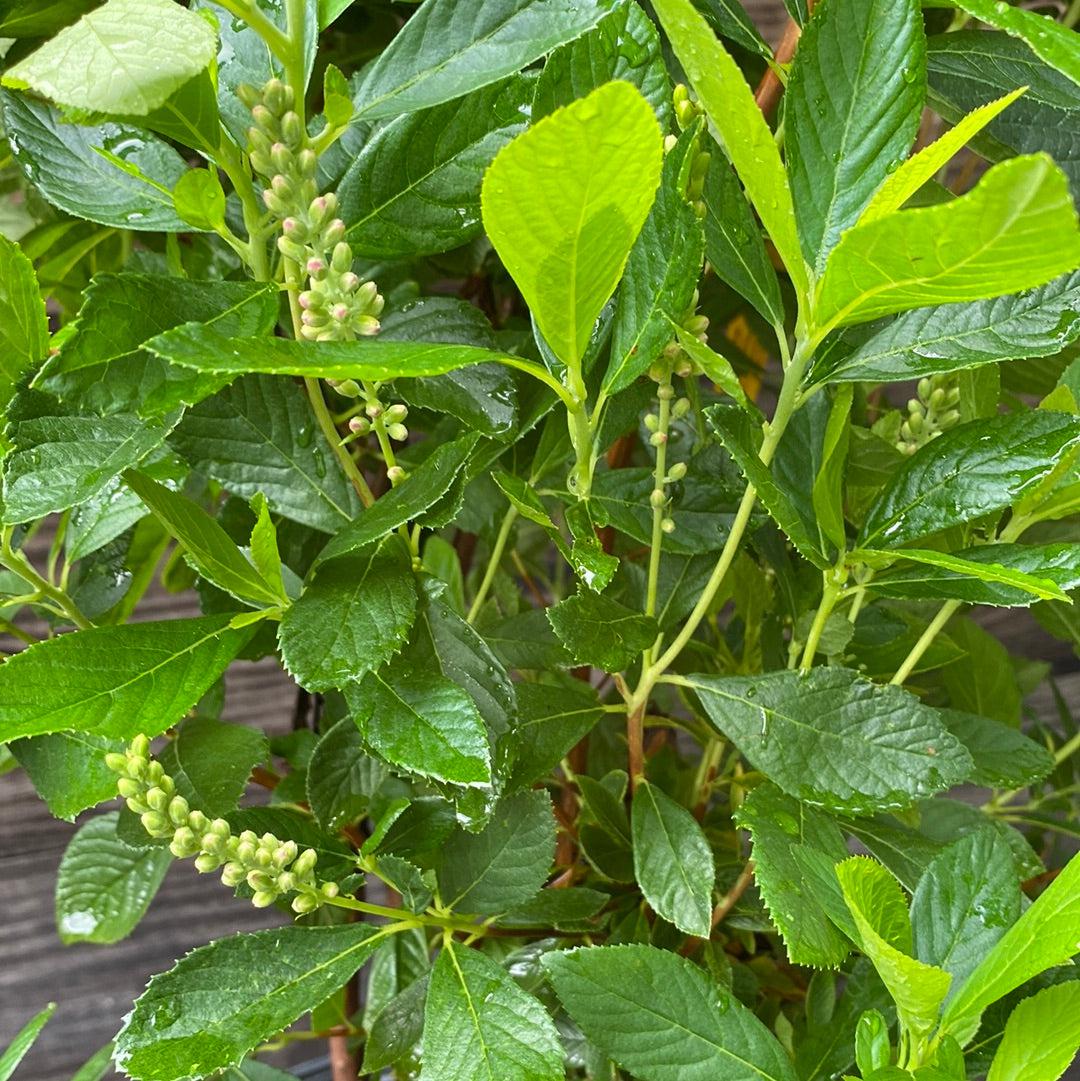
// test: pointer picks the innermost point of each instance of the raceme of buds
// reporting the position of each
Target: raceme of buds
(931, 413)
(271, 867)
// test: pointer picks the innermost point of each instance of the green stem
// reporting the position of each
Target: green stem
(295, 62)
(399, 916)
(271, 34)
(493, 564)
(830, 593)
(659, 481)
(1072, 16)
(581, 436)
(926, 639)
(17, 563)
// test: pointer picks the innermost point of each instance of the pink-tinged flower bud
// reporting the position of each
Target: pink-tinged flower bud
(306, 299)
(349, 281)
(359, 425)
(367, 326)
(315, 267)
(335, 233)
(340, 312)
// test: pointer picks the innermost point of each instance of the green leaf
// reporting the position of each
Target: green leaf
(737, 120)
(208, 548)
(1003, 757)
(199, 199)
(40, 18)
(673, 862)
(116, 681)
(415, 187)
(971, 471)
(986, 243)
(563, 204)
(101, 363)
(449, 51)
(397, 1029)
(952, 337)
(62, 461)
(352, 617)
(982, 680)
(827, 495)
(733, 242)
(67, 770)
(1047, 934)
(424, 723)
(150, 48)
(623, 45)
(552, 718)
(600, 632)
(920, 168)
(63, 162)
(661, 1018)
(831, 737)
(571, 908)
(778, 826)
(423, 488)
(966, 899)
(342, 779)
(258, 435)
(479, 1024)
(24, 326)
(103, 886)
(883, 929)
(24, 1040)
(716, 368)
(661, 274)
(265, 553)
(1002, 574)
(506, 863)
(100, 1063)
(854, 100)
(224, 999)
(1047, 38)
(730, 20)
(1041, 1037)
(211, 762)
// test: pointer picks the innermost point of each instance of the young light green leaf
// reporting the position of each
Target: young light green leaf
(737, 120)
(208, 548)
(415, 187)
(854, 99)
(563, 204)
(506, 863)
(973, 470)
(265, 553)
(24, 327)
(983, 244)
(601, 632)
(116, 681)
(422, 722)
(16, 1050)
(880, 913)
(832, 737)
(778, 826)
(211, 761)
(62, 461)
(103, 886)
(904, 182)
(953, 337)
(661, 1018)
(222, 1000)
(149, 48)
(716, 367)
(1041, 1037)
(451, 49)
(480, 1024)
(258, 435)
(673, 863)
(1047, 934)
(67, 769)
(352, 617)
(967, 898)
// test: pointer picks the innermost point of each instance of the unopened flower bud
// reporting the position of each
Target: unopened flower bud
(157, 799)
(342, 257)
(184, 843)
(179, 810)
(232, 875)
(263, 898)
(367, 325)
(657, 499)
(205, 863)
(677, 471)
(665, 392)
(395, 474)
(658, 439)
(118, 763)
(128, 788)
(668, 525)
(359, 425)
(681, 408)
(292, 130)
(329, 889)
(305, 862)
(652, 422)
(398, 432)
(305, 903)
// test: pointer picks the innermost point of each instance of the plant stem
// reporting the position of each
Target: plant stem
(1072, 16)
(399, 917)
(271, 34)
(17, 563)
(830, 593)
(493, 564)
(659, 478)
(926, 639)
(635, 745)
(581, 436)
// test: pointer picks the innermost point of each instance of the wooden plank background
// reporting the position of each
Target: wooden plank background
(95, 985)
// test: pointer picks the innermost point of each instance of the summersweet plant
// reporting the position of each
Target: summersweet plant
(617, 431)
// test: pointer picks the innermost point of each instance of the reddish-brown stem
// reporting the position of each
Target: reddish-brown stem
(635, 745)
(770, 88)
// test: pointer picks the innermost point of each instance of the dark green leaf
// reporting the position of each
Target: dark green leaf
(730, 20)
(569, 909)
(673, 863)
(831, 737)
(223, 999)
(342, 779)
(258, 435)
(397, 1029)
(24, 327)
(40, 18)
(778, 825)
(116, 681)
(600, 632)
(67, 769)
(853, 107)
(506, 863)
(1003, 757)
(479, 1024)
(103, 886)
(662, 1018)
(352, 617)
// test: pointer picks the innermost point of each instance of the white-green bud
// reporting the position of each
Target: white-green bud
(305, 862)
(263, 898)
(179, 810)
(305, 903)
(677, 471)
(657, 499)
(668, 525)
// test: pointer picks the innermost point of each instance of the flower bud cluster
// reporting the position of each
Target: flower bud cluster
(686, 112)
(659, 498)
(391, 417)
(271, 867)
(931, 413)
(674, 359)
(337, 305)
